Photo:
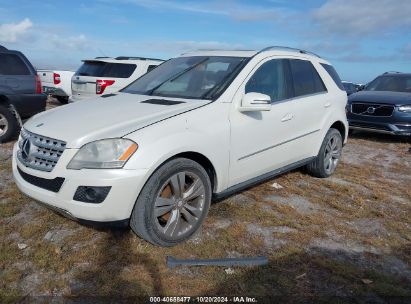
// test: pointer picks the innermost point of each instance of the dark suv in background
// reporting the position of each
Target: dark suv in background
(20, 92)
(383, 106)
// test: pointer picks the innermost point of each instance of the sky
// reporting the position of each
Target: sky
(361, 38)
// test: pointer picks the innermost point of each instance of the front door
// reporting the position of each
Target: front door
(264, 141)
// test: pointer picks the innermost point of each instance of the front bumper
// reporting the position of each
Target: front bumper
(397, 124)
(117, 206)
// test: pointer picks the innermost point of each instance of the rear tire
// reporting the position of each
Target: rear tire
(62, 99)
(329, 156)
(9, 125)
(173, 203)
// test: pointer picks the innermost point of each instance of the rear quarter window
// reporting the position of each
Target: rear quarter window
(334, 75)
(12, 64)
(305, 78)
(106, 69)
(151, 67)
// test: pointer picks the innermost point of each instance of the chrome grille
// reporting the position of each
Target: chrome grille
(39, 152)
(370, 109)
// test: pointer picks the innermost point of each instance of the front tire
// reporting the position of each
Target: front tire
(9, 125)
(173, 203)
(329, 156)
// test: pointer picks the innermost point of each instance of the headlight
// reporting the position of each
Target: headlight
(103, 154)
(405, 109)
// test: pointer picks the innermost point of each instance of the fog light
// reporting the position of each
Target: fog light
(89, 194)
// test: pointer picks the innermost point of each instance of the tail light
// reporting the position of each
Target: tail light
(56, 78)
(38, 85)
(101, 85)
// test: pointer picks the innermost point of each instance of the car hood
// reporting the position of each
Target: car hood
(395, 98)
(106, 117)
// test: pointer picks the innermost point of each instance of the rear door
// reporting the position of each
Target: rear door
(16, 75)
(308, 110)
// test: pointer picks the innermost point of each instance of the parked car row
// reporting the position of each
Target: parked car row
(164, 138)
(350, 87)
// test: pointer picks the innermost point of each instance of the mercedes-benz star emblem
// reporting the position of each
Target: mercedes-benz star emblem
(25, 149)
(371, 110)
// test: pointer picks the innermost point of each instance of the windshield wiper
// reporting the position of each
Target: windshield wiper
(173, 78)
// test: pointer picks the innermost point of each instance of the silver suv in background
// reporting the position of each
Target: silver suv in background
(105, 75)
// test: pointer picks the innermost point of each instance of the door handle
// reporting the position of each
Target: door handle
(327, 105)
(287, 117)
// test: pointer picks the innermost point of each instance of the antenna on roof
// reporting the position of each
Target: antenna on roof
(285, 48)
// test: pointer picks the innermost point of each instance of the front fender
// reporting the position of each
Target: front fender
(162, 141)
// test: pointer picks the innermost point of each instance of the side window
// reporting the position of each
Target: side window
(151, 67)
(272, 78)
(334, 75)
(305, 78)
(118, 70)
(11, 64)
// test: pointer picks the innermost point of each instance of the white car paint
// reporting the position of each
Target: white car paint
(61, 87)
(240, 145)
(84, 87)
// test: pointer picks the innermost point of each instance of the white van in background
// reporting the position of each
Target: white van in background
(56, 83)
(105, 75)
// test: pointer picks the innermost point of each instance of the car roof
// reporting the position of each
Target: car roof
(125, 59)
(399, 74)
(266, 52)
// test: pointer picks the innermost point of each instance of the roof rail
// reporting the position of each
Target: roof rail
(136, 58)
(285, 48)
(391, 72)
(3, 48)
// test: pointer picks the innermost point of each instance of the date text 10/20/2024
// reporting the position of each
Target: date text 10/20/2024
(239, 299)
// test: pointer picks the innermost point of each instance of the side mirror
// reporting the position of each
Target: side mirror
(255, 102)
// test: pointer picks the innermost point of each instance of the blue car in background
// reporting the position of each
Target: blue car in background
(383, 106)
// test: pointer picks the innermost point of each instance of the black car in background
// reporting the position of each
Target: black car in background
(350, 87)
(20, 92)
(383, 106)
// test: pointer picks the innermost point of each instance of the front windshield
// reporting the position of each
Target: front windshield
(198, 77)
(397, 83)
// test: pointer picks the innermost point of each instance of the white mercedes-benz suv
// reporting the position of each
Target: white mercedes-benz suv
(202, 125)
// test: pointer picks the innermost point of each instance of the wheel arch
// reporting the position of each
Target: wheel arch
(4, 100)
(203, 161)
(339, 125)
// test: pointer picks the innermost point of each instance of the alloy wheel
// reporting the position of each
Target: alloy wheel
(179, 204)
(333, 151)
(4, 124)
